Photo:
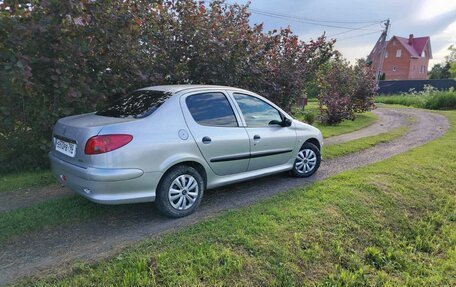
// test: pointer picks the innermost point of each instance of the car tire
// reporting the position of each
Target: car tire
(307, 161)
(180, 191)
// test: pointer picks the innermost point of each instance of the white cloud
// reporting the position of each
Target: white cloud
(353, 52)
(448, 34)
(434, 8)
(441, 41)
(439, 56)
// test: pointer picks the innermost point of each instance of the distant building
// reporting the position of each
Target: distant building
(405, 58)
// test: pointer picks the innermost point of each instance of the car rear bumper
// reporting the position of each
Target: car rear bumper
(106, 185)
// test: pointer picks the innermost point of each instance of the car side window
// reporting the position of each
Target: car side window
(257, 113)
(211, 109)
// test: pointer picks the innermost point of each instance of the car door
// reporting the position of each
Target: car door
(271, 144)
(215, 127)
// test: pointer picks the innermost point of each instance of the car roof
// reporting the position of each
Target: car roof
(173, 89)
(178, 88)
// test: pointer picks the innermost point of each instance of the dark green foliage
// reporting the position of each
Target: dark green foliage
(440, 71)
(67, 57)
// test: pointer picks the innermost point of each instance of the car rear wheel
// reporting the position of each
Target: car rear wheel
(307, 161)
(180, 191)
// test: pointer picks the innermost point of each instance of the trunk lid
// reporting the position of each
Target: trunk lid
(74, 131)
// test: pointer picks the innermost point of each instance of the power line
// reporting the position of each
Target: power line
(351, 30)
(312, 19)
(359, 35)
(295, 19)
(317, 22)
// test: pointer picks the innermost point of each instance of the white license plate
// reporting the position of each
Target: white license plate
(65, 147)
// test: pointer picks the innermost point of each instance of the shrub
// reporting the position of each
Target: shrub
(306, 116)
(362, 99)
(309, 118)
(345, 90)
(68, 57)
(336, 87)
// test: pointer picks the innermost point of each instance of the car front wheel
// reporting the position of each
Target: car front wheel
(307, 161)
(180, 191)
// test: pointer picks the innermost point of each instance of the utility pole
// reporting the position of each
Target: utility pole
(378, 52)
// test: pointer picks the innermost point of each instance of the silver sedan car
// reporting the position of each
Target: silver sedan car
(169, 144)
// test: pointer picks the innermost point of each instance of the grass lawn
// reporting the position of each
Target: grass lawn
(345, 148)
(392, 223)
(362, 120)
(22, 180)
(404, 100)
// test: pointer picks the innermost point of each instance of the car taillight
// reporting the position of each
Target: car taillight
(106, 143)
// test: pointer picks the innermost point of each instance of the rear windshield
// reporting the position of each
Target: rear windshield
(138, 104)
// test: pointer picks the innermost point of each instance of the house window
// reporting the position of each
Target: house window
(394, 68)
(386, 54)
(423, 54)
(398, 53)
(423, 69)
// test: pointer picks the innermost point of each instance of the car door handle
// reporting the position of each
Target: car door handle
(256, 137)
(206, 140)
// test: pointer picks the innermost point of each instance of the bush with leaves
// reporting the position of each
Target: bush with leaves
(67, 57)
(362, 99)
(345, 90)
(336, 82)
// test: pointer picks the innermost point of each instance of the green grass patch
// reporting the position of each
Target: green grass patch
(392, 223)
(23, 180)
(362, 120)
(435, 100)
(404, 100)
(341, 149)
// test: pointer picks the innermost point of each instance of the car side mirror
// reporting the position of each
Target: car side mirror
(286, 122)
(276, 122)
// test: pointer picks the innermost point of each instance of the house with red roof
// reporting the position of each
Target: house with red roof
(405, 58)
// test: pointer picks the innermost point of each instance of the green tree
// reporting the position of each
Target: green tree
(451, 60)
(440, 71)
(446, 69)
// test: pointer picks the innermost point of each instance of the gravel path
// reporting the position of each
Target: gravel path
(52, 251)
(388, 120)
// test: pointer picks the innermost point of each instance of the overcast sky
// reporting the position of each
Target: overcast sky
(434, 18)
